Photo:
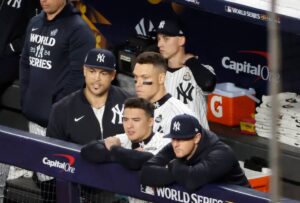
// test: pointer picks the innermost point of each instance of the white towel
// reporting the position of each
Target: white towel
(289, 141)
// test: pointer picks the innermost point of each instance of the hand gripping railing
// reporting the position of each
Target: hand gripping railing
(62, 160)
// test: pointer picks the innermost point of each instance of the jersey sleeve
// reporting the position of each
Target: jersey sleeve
(129, 158)
(57, 123)
(125, 142)
(96, 152)
(204, 74)
(155, 172)
(213, 167)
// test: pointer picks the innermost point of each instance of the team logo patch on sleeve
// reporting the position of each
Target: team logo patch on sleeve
(147, 189)
(158, 119)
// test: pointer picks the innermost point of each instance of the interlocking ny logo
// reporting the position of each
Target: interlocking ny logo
(15, 3)
(176, 126)
(39, 51)
(118, 113)
(162, 24)
(100, 58)
(186, 94)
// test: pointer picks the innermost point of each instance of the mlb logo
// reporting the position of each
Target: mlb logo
(147, 189)
(228, 9)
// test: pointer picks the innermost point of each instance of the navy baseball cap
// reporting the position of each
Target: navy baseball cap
(184, 127)
(169, 28)
(100, 58)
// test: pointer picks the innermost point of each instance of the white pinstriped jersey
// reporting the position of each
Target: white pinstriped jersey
(165, 110)
(182, 85)
(156, 143)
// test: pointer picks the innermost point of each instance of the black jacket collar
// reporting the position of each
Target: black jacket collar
(84, 99)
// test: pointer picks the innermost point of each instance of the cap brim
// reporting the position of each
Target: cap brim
(168, 33)
(185, 137)
(168, 136)
(100, 67)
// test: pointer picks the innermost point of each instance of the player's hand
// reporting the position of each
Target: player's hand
(140, 149)
(111, 141)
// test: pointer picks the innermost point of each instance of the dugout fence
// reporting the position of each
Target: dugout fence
(62, 160)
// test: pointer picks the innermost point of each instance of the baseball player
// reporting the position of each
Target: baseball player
(134, 147)
(93, 112)
(56, 42)
(194, 157)
(79, 117)
(149, 74)
(187, 78)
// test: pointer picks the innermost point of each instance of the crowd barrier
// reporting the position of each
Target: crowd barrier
(62, 160)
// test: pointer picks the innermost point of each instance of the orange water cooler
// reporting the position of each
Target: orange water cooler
(229, 104)
(259, 180)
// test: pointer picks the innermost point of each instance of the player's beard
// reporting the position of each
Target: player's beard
(99, 92)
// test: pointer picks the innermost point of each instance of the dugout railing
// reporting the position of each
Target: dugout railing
(62, 160)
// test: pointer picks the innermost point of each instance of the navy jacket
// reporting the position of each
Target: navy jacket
(73, 119)
(213, 162)
(52, 60)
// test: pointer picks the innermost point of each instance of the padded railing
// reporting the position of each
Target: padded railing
(63, 161)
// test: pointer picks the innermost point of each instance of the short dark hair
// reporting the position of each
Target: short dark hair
(149, 57)
(140, 103)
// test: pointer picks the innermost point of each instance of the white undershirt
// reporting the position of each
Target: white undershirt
(99, 115)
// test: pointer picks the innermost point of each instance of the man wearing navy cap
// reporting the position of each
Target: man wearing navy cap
(94, 112)
(187, 79)
(194, 157)
(78, 118)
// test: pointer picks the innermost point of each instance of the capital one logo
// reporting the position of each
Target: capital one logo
(245, 67)
(176, 126)
(100, 58)
(216, 106)
(67, 165)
